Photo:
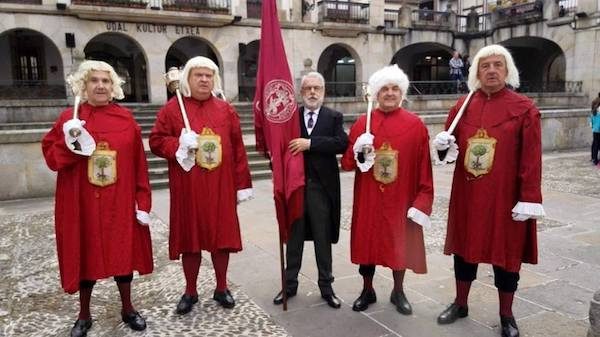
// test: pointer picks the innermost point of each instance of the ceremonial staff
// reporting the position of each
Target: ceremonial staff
(172, 81)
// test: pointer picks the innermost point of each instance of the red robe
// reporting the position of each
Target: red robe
(381, 233)
(97, 234)
(203, 213)
(480, 225)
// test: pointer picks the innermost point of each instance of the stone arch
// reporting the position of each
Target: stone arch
(541, 63)
(33, 66)
(340, 66)
(187, 47)
(127, 57)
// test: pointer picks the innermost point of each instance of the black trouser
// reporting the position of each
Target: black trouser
(317, 214)
(595, 147)
(118, 279)
(503, 280)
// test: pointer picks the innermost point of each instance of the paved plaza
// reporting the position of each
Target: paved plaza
(552, 300)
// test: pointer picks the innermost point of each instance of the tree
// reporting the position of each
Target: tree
(102, 162)
(478, 151)
(209, 147)
(385, 163)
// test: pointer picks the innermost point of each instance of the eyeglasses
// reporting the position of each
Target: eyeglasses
(314, 87)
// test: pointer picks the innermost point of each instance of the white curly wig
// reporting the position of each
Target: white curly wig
(388, 75)
(78, 80)
(512, 78)
(199, 62)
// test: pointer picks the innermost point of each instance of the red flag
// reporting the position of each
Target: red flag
(276, 121)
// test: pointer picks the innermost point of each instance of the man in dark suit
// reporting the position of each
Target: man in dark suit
(322, 138)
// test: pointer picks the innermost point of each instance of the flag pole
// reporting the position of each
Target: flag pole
(282, 268)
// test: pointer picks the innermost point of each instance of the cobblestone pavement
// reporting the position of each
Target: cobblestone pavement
(33, 304)
(553, 297)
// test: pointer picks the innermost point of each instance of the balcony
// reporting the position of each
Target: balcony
(199, 6)
(517, 14)
(254, 8)
(113, 3)
(433, 20)
(22, 2)
(343, 12)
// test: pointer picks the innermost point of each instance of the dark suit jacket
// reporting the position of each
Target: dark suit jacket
(326, 140)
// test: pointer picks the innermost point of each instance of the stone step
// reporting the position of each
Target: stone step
(255, 175)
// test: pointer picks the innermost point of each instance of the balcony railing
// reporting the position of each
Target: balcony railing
(254, 8)
(517, 14)
(390, 18)
(113, 3)
(23, 2)
(566, 6)
(202, 6)
(473, 23)
(16, 89)
(343, 11)
(425, 18)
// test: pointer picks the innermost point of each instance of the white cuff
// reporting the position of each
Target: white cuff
(527, 210)
(366, 139)
(245, 194)
(142, 217)
(419, 217)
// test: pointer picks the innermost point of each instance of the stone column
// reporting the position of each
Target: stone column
(594, 330)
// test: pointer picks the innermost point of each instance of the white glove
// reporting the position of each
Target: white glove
(444, 141)
(142, 217)
(364, 147)
(83, 144)
(185, 155)
(520, 217)
(244, 195)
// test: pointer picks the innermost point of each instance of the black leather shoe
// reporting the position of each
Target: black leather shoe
(399, 300)
(332, 301)
(279, 297)
(185, 304)
(362, 302)
(509, 327)
(134, 320)
(452, 313)
(81, 327)
(224, 298)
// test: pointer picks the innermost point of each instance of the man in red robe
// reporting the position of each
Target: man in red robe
(102, 193)
(393, 189)
(208, 177)
(496, 190)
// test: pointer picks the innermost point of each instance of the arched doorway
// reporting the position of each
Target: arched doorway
(338, 67)
(186, 48)
(541, 64)
(247, 68)
(128, 59)
(32, 66)
(426, 65)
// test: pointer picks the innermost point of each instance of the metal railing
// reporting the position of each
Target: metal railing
(432, 19)
(527, 12)
(17, 89)
(203, 6)
(254, 9)
(23, 2)
(343, 89)
(343, 11)
(473, 24)
(551, 86)
(390, 17)
(113, 3)
(566, 6)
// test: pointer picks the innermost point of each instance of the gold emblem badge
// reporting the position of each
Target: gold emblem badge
(479, 157)
(385, 169)
(102, 165)
(210, 152)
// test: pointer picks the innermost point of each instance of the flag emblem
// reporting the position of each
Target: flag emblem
(279, 100)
